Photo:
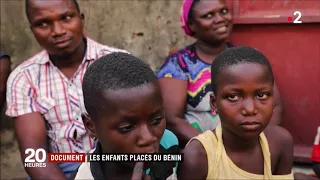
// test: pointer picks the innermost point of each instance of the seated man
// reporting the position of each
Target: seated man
(44, 93)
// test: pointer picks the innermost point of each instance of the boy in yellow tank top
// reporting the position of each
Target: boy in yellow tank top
(243, 146)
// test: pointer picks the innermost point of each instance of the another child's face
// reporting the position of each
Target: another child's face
(244, 99)
(133, 121)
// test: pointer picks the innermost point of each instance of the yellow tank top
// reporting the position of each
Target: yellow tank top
(220, 166)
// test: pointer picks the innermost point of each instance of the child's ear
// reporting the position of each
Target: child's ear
(213, 102)
(89, 125)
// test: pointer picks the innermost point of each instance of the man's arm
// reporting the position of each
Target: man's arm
(285, 145)
(29, 124)
(31, 133)
(4, 74)
(277, 116)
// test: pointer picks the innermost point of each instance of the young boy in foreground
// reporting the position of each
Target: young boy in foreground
(126, 115)
(243, 146)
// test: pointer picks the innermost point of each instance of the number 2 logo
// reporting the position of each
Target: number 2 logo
(36, 154)
(297, 20)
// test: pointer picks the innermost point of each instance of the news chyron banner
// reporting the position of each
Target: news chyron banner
(39, 157)
(135, 157)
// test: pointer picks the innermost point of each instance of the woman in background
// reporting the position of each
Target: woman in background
(185, 76)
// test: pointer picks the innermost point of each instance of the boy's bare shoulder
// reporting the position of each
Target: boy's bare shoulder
(279, 139)
(281, 148)
(195, 163)
(277, 134)
(195, 149)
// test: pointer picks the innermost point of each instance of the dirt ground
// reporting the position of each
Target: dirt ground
(10, 161)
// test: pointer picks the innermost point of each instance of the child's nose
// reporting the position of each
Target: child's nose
(146, 137)
(249, 107)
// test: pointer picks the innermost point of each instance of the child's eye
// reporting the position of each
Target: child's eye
(156, 120)
(125, 129)
(262, 96)
(233, 97)
(224, 11)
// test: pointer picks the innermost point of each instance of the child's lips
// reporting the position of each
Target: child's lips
(147, 152)
(250, 125)
(151, 152)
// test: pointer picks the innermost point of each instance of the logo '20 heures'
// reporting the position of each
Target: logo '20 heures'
(35, 158)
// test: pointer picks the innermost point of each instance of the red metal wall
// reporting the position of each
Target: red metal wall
(294, 52)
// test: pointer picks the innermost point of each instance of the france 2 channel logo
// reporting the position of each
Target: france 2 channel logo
(297, 15)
